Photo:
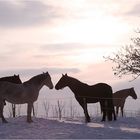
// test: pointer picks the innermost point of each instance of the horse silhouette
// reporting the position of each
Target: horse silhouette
(26, 92)
(13, 79)
(84, 94)
(119, 98)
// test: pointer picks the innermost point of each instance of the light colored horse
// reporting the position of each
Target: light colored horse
(26, 92)
(120, 96)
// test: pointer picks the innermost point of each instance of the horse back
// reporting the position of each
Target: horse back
(14, 93)
(95, 93)
(120, 96)
(9, 88)
(101, 90)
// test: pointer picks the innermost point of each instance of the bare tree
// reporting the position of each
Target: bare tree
(73, 110)
(46, 105)
(58, 109)
(54, 111)
(127, 59)
(60, 106)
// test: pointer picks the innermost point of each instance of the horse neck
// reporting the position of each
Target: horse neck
(127, 93)
(37, 82)
(131, 93)
(75, 85)
(8, 79)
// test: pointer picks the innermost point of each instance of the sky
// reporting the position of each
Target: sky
(66, 36)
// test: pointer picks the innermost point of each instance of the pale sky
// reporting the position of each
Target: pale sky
(65, 36)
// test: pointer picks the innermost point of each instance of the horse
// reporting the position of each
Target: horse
(120, 96)
(13, 79)
(27, 92)
(85, 93)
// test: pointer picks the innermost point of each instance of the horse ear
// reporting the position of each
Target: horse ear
(47, 72)
(66, 74)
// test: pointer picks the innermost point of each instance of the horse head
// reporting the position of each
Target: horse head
(48, 81)
(16, 79)
(62, 82)
(133, 93)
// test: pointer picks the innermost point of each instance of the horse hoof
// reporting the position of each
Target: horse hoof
(103, 120)
(5, 121)
(29, 121)
(87, 121)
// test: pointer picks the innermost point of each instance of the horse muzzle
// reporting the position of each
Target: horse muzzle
(51, 87)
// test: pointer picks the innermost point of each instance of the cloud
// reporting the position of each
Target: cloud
(70, 48)
(25, 13)
(135, 11)
(29, 72)
(62, 46)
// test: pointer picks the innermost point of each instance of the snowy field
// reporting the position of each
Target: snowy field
(17, 128)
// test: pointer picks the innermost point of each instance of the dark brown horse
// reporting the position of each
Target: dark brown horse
(84, 94)
(13, 79)
(120, 96)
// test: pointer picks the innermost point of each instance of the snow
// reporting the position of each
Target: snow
(18, 128)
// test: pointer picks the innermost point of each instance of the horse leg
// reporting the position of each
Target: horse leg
(122, 111)
(115, 117)
(113, 110)
(1, 112)
(4, 102)
(114, 113)
(117, 110)
(29, 111)
(86, 113)
(84, 106)
(103, 109)
(110, 110)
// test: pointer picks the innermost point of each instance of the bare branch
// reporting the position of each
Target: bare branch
(127, 59)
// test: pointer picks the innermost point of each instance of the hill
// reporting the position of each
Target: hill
(17, 128)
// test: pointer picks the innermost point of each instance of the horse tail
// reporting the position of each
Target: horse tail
(110, 106)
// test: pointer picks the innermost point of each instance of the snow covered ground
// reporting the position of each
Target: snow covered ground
(17, 128)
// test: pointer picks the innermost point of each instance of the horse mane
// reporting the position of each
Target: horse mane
(77, 81)
(122, 93)
(37, 78)
(13, 79)
(5, 78)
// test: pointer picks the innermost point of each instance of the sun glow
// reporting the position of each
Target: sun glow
(91, 55)
(92, 29)
(92, 25)
(98, 31)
